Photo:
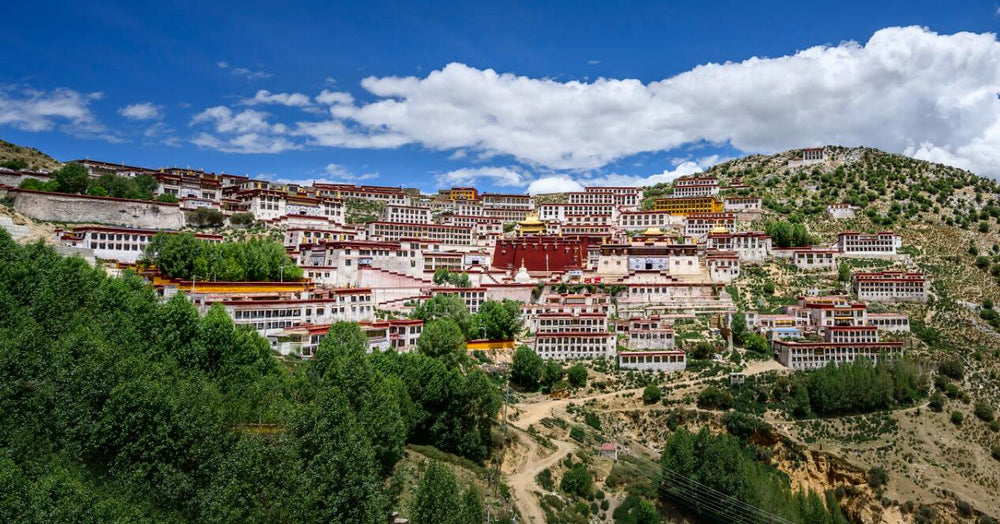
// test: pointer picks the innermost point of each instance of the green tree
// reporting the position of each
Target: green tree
(447, 305)
(526, 368)
(577, 375)
(552, 373)
(443, 340)
(844, 272)
(738, 327)
(500, 320)
(577, 481)
(71, 178)
(651, 394)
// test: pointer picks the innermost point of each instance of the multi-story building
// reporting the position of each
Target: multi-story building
(564, 336)
(407, 214)
(382, 335)
(700, 224)
(574, 345)
(723, 266)
(840, 345)
(815, 259)
(483, 226)
(890, 322)
(642, 220)
(121, 244)
(736, 204)
(387, 195)
(649, 333)
(296, 236)
(625, 196)
(463, 193)
(854, 244)
(669, 360)
(541, 254)
(523, 203)
(622, 259)
(890, 286)
(471, 208)
(560, 212)
(566, 305)
(472, 296)
(395, 231)
(267, 316)
(686, 205)
(696, 186)
(750, 246)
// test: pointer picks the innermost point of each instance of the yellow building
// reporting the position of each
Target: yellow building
(531, 226)
(684, 205)
(463, 193)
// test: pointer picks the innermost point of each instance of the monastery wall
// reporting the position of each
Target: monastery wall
(57, 207)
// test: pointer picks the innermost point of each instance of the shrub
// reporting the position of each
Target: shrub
(651, 394)
(877, 477)
(957, 418)
(544, 479)
(241, 219)
(984, 411)
(952, 368)
(576, 433)
(937, 402)
(577, 375)
(769, 288)
(592, 420)
(715, 398)
(577, 481)
(167, 198)
(995, 452)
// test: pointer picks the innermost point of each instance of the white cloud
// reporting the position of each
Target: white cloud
(331, 98)
(141, 111)
(554, 184)
(496, 176)
(247, 131)
(343, 174)
(593, 62)
(906, 89)
(264, 96)
(243, 72)
(63, 109)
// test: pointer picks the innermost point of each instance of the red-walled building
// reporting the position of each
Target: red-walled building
(541, 253)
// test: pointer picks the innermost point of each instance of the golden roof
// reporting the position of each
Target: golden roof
(720, 229)
(652, 232)
(531, 220)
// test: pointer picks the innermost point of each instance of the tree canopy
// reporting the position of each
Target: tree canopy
(185, 256)
(120, 408)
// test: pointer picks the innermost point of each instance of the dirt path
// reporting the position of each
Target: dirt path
(521, 479)
(522, 483)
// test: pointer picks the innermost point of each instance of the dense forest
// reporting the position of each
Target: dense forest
(116, 407)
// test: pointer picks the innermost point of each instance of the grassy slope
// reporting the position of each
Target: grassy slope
(35, 158)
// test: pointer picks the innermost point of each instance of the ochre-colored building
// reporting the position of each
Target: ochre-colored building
(686, 205)
(463, 193)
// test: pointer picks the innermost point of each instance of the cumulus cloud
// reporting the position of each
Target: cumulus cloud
(247, 131)
(554, 184)
(907, 89)
(141, 111)
(264, 96)
(496, 176)
(63, 109)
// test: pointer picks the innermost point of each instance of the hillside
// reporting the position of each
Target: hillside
(31, 157)
(948, 219)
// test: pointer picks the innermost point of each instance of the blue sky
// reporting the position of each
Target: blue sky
(279, 90)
